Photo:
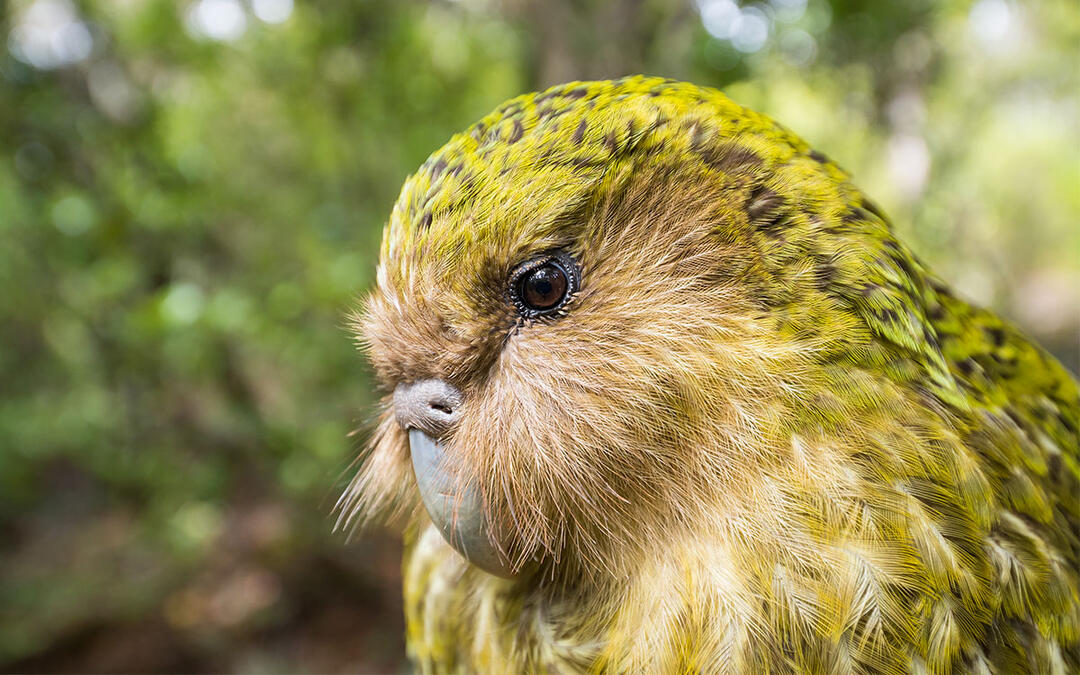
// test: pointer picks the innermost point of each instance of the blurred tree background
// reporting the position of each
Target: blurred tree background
(191, 198)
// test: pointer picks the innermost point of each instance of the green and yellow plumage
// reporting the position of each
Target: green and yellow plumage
(762, 438)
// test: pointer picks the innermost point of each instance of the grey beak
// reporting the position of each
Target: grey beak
(428, 409)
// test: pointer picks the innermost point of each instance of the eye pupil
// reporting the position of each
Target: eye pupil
(545, 287)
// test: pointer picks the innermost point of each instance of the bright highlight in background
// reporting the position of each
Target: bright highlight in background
(227, 20)
(272, 11)
(49, 34)
(748, 29)
(223, 20)
(990, 20)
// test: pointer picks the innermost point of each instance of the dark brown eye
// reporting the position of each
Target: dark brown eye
(543, 286)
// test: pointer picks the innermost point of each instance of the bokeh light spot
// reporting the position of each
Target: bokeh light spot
(788, 11)
(182, 305)
(909, 163)
(798, 47)
(990, 20)
(222, 20)
(49, 34)
(73, 215)
(272, 11)
(751, 30)
(720, 17)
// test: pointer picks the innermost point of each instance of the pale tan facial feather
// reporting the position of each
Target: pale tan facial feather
(647, 405)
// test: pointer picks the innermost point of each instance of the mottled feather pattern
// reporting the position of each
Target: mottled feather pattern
(761, 438)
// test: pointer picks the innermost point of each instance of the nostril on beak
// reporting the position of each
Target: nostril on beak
(428, 405)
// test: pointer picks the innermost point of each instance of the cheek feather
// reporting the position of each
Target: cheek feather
(586, 432)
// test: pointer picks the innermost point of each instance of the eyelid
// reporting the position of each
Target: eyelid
(529, 266)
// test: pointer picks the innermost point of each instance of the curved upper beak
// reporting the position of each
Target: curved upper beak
(428, 409)
(456, 509)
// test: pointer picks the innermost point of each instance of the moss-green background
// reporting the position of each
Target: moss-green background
(191, 196)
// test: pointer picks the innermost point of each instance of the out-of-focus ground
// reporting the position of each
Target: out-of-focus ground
(191, 199)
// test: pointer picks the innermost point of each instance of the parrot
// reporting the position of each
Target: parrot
(661, 391)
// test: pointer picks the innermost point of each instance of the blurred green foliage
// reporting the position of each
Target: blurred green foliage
(191, 199)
